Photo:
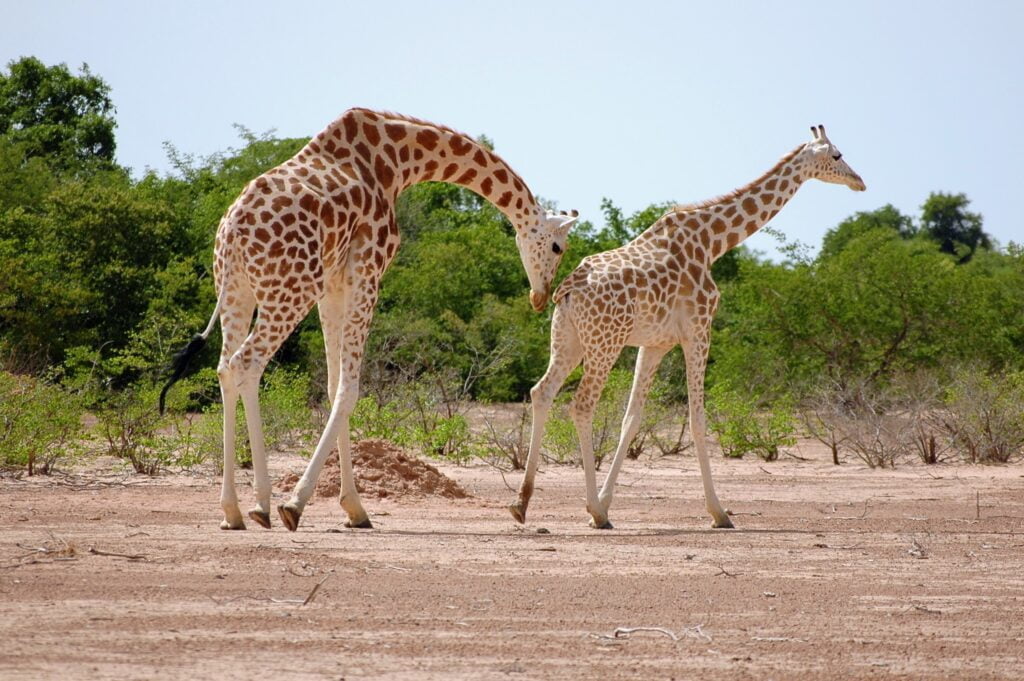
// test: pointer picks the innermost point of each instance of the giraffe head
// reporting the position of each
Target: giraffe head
(541, 246)
(826, 163)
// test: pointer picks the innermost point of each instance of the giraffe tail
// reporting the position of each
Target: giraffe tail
(179, 363)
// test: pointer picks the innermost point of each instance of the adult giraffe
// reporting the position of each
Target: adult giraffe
(320, 229)
(654, 293)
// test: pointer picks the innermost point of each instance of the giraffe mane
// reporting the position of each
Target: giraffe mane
(392, 116)
(707, 203)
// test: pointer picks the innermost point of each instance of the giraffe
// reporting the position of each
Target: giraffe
(320, 229)
(654, 293)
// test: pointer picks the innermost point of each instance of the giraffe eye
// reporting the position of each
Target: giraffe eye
(837, 157)
(556, 248)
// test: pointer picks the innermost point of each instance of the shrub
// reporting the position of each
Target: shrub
(742, 428)
(39, 423)
(128, 422)
(985, 416)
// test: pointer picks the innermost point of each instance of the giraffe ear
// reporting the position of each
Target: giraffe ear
(568, 220)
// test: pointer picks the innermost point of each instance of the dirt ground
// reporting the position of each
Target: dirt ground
(832, 573)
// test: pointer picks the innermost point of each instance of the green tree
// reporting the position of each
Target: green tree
(886, 217)
(56, 115)
(945, 218)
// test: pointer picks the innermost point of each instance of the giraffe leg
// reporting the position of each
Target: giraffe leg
(595, 373)
(565, 356)
(359, 299)
(235, 323)
(646, 365)
(696, 350)
(331, 309)
(248, 365)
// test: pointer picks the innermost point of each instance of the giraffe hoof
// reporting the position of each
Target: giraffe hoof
(518, 512)
(723, 523)
(261, 517)
(606, 525)
(290, 515)
(239, 525)
(363, 524)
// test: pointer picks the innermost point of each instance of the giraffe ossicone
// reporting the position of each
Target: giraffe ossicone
(320, 229)
(654, 293)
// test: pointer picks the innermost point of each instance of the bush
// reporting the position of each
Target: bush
(985, 416)
(128, 422)
(39, 423)
(742, 428)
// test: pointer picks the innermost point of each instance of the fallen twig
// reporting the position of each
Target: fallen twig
(130, 556)
(777, 639)
(723, 571)
(624, 632)
(312, 594)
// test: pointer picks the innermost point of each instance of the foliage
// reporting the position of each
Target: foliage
(986, 416)
(742, 427)
(55, 115)
(945, 218)
(39, 423)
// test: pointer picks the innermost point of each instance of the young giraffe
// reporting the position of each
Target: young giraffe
(654, 293)
(320, 229)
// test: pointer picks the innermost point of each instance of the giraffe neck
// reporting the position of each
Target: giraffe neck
(724, 223)
(398, 152)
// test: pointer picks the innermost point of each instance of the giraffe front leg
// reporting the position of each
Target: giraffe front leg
(565, 356)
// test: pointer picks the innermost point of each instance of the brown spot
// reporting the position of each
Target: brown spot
(430, 167)
(417, 154)
(390, 151)
(308, 203)
(770, 184)
(783, 185)
(732, 240)
(403, 154)
(486, 186)
(718, 226)
(363, 151)
(372, 134)
(751, 227)
(460, 146)
(384, 172)
(466, 177)
(501, 175)
(428, 139)
(480, 159)
(449, 171)
(750, 205)
(692, 223)
(729, 210)
(351, 127)
(262, 234)
(280, 203)
(504, 199)
(738, 220)
(394, 131)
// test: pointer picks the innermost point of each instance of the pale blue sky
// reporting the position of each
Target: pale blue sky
(638, 101)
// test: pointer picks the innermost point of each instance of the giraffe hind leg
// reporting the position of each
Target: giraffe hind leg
(235, 321)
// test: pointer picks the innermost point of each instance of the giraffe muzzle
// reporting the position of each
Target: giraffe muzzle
(538, 300)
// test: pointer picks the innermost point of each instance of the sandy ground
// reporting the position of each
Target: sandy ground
(845, 572)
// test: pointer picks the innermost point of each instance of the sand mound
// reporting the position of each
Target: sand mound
(382, 470)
